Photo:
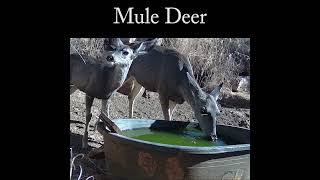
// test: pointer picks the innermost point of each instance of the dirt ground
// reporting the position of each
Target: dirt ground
(144, 108)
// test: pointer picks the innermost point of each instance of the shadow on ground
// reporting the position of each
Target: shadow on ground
(76, 143)
(90, 167)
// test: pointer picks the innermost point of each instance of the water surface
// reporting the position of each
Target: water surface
(186, 137)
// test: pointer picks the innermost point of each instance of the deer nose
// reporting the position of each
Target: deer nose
(109, 58)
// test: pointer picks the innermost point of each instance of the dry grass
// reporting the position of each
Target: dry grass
(213, 59)
(88, 46)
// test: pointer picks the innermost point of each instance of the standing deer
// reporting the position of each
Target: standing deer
(169, 73)
(101, 80)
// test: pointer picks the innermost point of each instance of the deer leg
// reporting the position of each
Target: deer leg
(105, 106)
(137, 89)
(89, 102)
(172, 105)
(164, 101)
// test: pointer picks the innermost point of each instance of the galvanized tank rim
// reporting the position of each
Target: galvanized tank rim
(233, 149)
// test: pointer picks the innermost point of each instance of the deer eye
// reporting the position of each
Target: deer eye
(125, 53)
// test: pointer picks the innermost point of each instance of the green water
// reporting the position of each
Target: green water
(187, 137)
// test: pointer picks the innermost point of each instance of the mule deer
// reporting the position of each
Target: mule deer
(101, 80)
(169, 73)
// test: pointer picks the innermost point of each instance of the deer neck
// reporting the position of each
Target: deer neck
(115, 76)
(191, 92)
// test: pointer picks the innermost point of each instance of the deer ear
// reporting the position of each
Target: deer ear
(143, 47)
(216, 92)
(116, 42)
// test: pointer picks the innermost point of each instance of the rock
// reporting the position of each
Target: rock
(241, 84)
(235, 100)
(244, 84)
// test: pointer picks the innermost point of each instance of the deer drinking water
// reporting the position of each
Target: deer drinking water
(169, 73)
(101, 80)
